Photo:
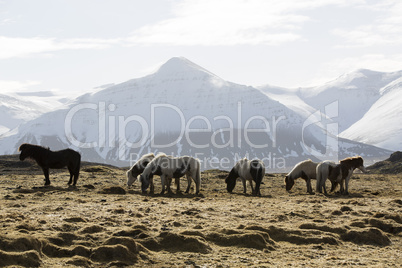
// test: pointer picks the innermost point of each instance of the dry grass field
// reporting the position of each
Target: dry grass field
(101, 223)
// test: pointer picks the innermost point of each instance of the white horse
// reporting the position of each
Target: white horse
(305, 170)
(338, 173)
(253, 170)
(172, 167)
(138, 168)
(327, 169)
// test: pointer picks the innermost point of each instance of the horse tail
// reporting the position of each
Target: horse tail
(319, 178)
(257, 171)
(78, 164)
(197, 176)
(260, 176)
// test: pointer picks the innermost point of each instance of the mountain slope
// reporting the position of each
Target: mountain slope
(17, 108)
(381, 125)
(183, 109)
(366, 105)
(355, 93)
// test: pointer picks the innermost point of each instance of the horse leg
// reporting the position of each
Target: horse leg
(252, 188)
(76, 175)
(163, 184)
(152, 188)
(188, 184)
(46, 173)
(169, 182)
(347, 185)
(244, 185)
(323, 186)
(177, 182)
(71, 175)
(342, 187)
(308, 185)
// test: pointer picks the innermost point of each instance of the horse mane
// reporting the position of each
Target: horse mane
(25, 146)
(142, 158)
(353, 158)
(150, 165)
(147, 156)
(298, 167)
(159, 155)
(351, 162)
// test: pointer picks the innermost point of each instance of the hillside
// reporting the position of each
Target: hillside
(18, 108)
(381, 124)
(392, 165)
(183, 109)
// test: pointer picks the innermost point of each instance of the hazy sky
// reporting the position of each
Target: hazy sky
(77, 45)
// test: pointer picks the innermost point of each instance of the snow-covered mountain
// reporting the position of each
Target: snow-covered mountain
(17, 108)
(183, 109)
(354, 93)
(382, 124)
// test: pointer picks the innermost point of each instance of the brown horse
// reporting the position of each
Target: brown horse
(338, 173)
(46, 159)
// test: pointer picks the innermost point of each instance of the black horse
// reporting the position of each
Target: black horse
(48, 159)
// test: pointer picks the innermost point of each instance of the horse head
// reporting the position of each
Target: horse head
(230, 185)
(231, 180)
(360, 163)
(25, 151)
(289, 183)
(144, 183)
(354, 162)
(130, 177)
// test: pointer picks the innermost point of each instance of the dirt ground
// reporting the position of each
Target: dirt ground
(102, 223)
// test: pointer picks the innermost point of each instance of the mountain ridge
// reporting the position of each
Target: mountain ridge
(186, 107)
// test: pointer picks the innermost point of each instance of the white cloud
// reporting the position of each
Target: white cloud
(11, 47)
(231, 22)
(386, 28)
(13, 86)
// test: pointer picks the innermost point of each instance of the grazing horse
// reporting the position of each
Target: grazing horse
(172, 167)
(46, 159)
(305, 170)
(339, 173)
(138, 168)
(253, 170)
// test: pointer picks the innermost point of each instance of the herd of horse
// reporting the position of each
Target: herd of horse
(170, 167)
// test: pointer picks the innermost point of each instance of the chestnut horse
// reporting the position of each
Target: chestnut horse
(338, 173)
